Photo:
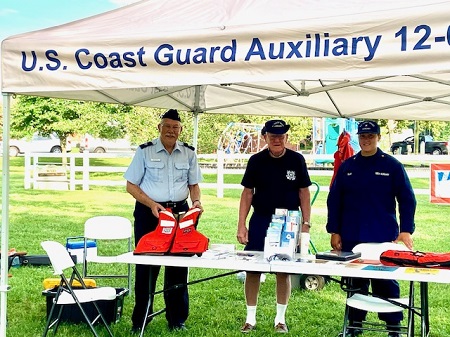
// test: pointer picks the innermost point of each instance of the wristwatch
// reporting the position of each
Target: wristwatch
(307, 223)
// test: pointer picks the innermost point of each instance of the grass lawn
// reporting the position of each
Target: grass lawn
(217, 307)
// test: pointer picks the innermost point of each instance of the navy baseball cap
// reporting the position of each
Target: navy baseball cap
(263, 131)
(276, 126)
(368, 127)
(172, 114)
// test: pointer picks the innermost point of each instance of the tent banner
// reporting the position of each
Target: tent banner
(440, 183)
(407, 40)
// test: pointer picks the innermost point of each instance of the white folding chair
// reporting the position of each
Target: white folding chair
(108, 228)
(66, 294)
(372, 303)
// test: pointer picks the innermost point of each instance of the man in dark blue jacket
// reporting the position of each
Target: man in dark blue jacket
(362, 207)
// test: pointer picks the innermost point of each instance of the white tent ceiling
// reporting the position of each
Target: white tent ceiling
(365, 59)
(354, 58)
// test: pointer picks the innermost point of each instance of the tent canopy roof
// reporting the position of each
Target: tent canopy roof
(383, 59)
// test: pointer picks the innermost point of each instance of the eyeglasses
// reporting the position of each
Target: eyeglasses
(275, 136)
(367, 136)
(175, 128)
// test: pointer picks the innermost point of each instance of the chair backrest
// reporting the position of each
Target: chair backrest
(59, 256)
(373, 250)
(107, 227)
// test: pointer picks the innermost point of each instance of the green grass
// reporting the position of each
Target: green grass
(217, 307)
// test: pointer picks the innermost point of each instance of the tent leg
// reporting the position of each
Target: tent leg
(5, 214)
(195, 135)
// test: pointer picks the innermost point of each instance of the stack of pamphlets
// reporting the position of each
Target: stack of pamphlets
(282, 234)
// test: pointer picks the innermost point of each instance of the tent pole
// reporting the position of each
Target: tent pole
(195, 121)
(5, 215)
(195, 135)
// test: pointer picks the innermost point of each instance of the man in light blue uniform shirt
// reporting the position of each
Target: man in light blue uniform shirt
(163, 174)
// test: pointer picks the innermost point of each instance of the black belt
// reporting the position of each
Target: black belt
(172, 204)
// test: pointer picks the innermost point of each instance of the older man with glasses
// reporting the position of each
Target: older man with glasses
(274, 178)
(362, 207)
(162, 174)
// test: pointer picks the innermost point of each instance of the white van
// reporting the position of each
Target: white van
(37, 143)
(98, 145)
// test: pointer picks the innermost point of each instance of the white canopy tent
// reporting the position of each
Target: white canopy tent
(363, 59)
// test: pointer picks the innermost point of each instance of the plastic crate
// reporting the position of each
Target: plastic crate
(111, 309)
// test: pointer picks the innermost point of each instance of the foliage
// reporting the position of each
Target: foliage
(103, 120)
(439, 130)
(139, 124)
(44, 115)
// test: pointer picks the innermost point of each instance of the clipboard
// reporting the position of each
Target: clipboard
(338, 255)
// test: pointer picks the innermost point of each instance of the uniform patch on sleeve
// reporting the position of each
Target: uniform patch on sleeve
(189, 146)
(143, 146)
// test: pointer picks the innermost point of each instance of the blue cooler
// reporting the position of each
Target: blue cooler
(75, 247)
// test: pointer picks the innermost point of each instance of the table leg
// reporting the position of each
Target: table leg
(410, 328)
(425, 318)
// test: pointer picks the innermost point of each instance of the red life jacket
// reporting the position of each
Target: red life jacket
(173, 237)
(415, 259)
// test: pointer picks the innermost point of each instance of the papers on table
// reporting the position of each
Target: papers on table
(235, 255)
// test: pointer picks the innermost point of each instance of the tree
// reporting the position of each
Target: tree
(104, 120)
(66, 118)
(141, 124)
(44, 115)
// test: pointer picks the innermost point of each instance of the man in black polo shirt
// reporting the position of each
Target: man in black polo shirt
(274, 178)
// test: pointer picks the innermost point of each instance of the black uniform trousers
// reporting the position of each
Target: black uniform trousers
(383, 288)
(176, 300)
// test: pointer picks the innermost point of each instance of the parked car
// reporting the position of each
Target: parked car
(431, 147)
(99, 145)
(37, 143)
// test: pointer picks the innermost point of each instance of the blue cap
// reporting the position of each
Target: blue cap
(172, 114)
(276, 126)
(368, 127)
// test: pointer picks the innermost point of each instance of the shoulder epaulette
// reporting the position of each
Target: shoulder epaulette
(189, 147)
(143, 146)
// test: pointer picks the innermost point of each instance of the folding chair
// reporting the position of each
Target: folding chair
(66, 294)
(372, 303)
(107, 228)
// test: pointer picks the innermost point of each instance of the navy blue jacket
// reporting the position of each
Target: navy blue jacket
(363, 198)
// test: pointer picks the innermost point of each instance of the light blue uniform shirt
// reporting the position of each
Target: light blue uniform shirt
(161, 175)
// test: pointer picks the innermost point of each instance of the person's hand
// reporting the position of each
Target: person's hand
(198, 204)
(406, 238)
(335, 241)
(242, 235)
(156, 208)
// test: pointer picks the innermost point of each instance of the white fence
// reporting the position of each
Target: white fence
(55, 175)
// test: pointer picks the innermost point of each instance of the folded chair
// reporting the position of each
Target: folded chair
(107, 230)
(66, 294)
(372, 303)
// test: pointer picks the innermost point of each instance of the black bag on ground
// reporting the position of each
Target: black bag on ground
(35, 260)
